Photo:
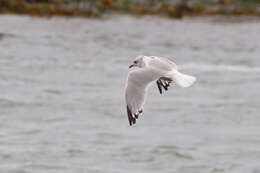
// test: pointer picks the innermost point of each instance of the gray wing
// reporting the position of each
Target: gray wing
(135, 91)
(166, 65)
(162, 63)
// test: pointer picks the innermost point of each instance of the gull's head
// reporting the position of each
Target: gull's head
(138, 62)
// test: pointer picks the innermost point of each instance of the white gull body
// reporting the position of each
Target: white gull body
(150, 69)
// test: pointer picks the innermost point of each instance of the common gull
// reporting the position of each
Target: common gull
(150, 69)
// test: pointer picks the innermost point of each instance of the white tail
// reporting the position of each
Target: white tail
(183, 80)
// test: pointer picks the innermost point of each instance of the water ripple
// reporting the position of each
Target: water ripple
(220, 67)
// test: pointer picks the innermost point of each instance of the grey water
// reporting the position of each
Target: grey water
(62, 104)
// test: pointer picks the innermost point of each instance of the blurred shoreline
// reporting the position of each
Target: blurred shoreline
(97, 8)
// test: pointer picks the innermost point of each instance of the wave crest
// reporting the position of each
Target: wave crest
(220, 67)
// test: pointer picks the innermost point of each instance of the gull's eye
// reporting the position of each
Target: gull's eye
(135, 62)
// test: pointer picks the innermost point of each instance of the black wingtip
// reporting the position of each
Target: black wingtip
(131, 119)
(164, 86)
(159, 86)
(164, 83)
(129, 115)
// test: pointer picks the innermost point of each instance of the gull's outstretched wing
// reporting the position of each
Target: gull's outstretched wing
(135, 92)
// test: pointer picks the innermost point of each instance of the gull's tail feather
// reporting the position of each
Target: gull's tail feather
(183, 80)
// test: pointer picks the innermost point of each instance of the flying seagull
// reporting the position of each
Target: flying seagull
(150, 69)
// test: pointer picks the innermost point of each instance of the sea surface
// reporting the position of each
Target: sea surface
(62, 106)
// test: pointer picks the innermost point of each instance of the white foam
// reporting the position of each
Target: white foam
(220, 67)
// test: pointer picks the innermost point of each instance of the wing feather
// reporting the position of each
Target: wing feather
(157, 69)
(135, 92)
(162, 63)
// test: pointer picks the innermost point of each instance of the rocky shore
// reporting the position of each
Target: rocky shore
(96, 8)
